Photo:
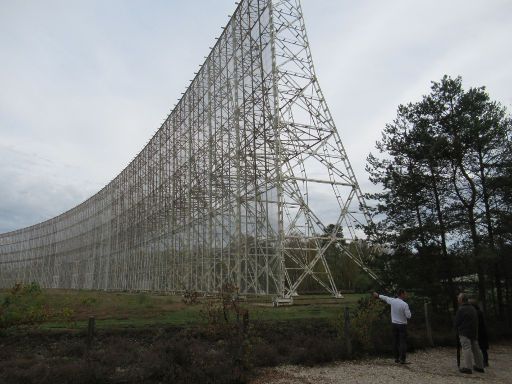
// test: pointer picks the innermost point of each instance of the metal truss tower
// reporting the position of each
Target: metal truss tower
(239, 184)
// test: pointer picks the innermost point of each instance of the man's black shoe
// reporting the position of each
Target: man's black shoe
(481, 370)
(465, 370)
(404, 362)
(397, 361)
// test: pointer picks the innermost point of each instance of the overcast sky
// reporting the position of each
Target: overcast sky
(85, 84)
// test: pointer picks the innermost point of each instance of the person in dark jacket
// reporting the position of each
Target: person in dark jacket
(466, 322)
(483, 340)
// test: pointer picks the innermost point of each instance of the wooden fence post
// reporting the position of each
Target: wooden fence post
(346, 331)
(90, 330)
(427, 324)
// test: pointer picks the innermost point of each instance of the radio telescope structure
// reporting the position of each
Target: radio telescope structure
(246, 182)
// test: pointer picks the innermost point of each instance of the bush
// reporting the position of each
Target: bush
(60, 371)
(369, 326)
(24, 306)
(314, 351)
(306, 342)
(89, 301)
(182, 359)
(264, 354)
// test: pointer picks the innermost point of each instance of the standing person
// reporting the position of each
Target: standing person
(483, 340)
(400, 313)
(466, 322)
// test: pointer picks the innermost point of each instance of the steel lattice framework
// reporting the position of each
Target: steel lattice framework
(237, 186)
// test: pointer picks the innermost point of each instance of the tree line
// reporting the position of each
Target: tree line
(443, 212)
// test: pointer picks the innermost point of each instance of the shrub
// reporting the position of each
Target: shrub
(24, 306)
(143, 299)
(314, 350)
(89, 301)
(369, 326)
(63, 371)
(23, 371)
(66, 314)
(226, 319)
(264, 354)
(307, 342)
(185, 359)
(190, 297)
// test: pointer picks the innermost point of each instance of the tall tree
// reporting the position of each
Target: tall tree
(442, 161)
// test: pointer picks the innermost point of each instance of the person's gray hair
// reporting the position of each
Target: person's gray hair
(463, 297)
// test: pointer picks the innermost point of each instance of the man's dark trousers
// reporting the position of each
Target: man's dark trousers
(399, 341)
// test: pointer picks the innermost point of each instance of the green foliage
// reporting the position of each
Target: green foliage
(421, 271)
(347, 275)
(144, 300)
(67, 315)
(228, 319)
(24, 306)
(89, 301)
(225, 308)
(190, 297)
(443, 169)
(369, 325)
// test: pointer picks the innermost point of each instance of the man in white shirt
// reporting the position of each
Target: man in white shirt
(400, 313)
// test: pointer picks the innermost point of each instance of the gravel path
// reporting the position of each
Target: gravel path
(437, 365)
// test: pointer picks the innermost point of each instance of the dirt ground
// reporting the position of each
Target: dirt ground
(437, 365)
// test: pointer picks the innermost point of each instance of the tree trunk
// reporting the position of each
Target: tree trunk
(444, 249)
(490, 234)
(470, 207)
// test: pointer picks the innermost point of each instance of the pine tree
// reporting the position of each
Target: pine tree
(443, 170)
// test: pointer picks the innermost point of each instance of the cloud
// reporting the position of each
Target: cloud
(86, 84)
(33, 189)
(372, 56)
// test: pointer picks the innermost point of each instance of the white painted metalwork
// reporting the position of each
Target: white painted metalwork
(237, 186)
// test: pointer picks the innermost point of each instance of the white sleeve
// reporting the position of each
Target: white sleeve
(407, 311)
(386, 299)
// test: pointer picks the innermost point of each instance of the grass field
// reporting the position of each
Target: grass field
(71, 309)
(155, 338)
